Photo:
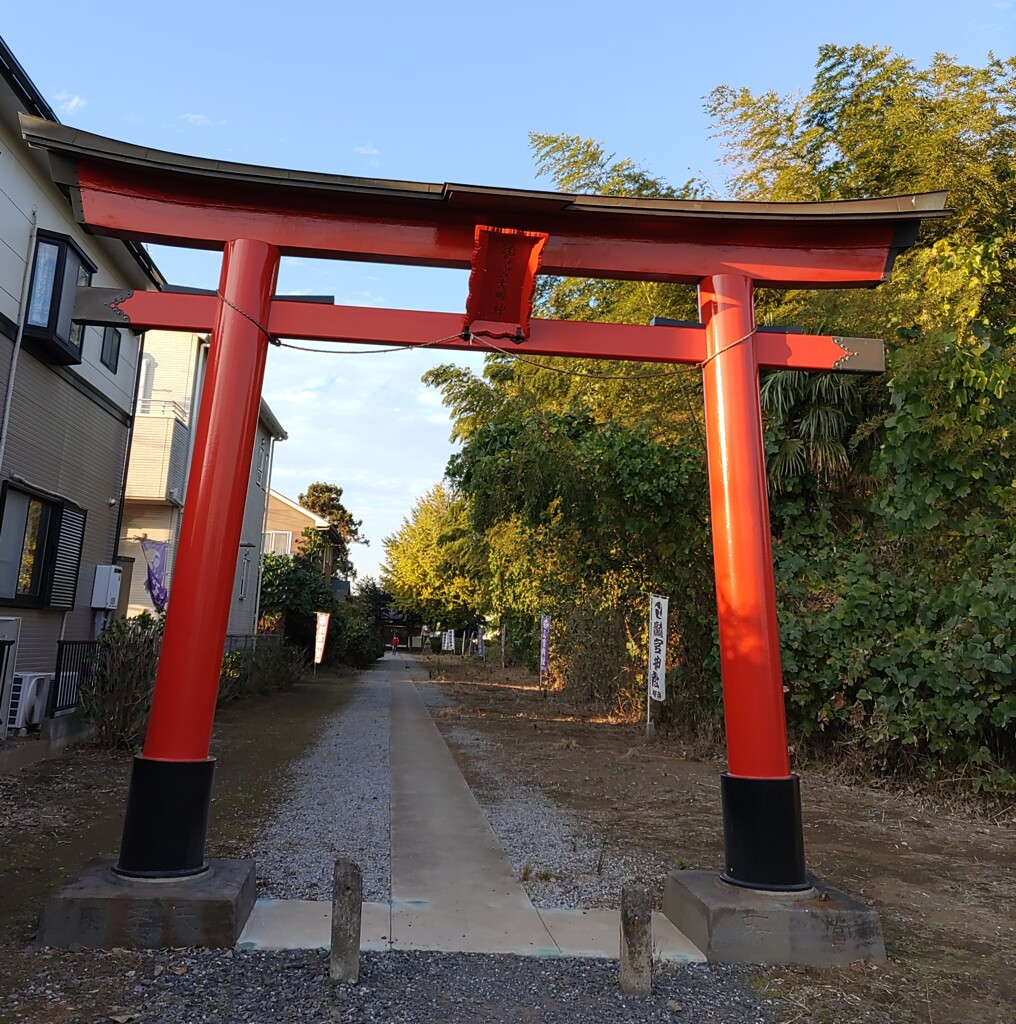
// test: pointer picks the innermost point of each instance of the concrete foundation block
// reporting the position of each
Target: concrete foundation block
(820, 926)
(103, 910)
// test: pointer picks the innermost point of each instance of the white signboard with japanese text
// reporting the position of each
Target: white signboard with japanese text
(658, 647)
(544, 643)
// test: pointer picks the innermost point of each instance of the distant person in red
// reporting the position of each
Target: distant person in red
(395, 644)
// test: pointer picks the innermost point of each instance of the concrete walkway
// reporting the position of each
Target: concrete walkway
(453, 889)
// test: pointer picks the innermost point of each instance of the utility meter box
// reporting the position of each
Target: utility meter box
(106, 589)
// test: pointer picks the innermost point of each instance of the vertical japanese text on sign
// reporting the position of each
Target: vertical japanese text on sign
(658, 607)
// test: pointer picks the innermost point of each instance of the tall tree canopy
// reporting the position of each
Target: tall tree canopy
(580, 486)
(433, 566)
(325, 500)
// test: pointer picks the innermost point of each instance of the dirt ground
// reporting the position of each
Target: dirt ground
(56, 815)
(944, 883)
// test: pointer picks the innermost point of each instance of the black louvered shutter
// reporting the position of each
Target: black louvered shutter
(67, 558)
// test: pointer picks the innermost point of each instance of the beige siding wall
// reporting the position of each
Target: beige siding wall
(159, 464)
(158, 459)
(282, 517)
(63, 442)
(172, 359)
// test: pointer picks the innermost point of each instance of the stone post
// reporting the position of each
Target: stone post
(347, 901)
(636, 941)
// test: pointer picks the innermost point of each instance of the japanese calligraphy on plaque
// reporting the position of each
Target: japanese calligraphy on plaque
(658, 647)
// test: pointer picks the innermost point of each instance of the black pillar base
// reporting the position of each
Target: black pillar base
(166, 822)
(762, 833)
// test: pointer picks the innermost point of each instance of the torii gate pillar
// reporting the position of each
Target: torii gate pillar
(171, 784)
(762, 829)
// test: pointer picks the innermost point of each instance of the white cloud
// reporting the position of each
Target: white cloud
(277, 398)
(68, 103)
(201, 120)
(370, 153)
(434, 410)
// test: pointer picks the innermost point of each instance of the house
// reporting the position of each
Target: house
(168, 397)
(68, 396)
(284, 531)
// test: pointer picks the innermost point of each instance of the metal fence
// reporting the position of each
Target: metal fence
(75, 663)
(6, 653)
(248, 642)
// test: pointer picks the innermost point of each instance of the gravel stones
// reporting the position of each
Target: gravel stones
(336, 805)
(560, 860)
(421, 988)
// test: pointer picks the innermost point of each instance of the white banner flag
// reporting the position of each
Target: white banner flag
(320, 636)
(448, 640)
(658, 647)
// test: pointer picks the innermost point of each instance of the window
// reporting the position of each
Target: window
(262, 461)
(244, 575)
(110, 356)
(278, 542)
(59, 268)
(40, 549)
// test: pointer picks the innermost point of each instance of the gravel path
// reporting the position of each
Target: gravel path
(336, 805)
(338, 801)
(561, 862)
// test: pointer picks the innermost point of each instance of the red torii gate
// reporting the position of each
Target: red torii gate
(257, 214)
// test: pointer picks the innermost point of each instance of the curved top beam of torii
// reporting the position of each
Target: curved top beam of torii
(130, 191)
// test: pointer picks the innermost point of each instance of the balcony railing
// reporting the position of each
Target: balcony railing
(164, 407)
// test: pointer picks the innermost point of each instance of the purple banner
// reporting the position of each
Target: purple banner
(155, 552)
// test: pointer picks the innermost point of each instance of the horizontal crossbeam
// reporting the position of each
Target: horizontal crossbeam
(291, 318)
(138, 193)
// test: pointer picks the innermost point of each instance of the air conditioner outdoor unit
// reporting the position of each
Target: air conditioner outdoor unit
(29, 699)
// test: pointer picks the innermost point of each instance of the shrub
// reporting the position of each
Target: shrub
(268, 669)
(352, 635)
(117, 695)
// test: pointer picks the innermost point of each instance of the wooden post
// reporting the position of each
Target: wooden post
(636, 941)
(347, 905)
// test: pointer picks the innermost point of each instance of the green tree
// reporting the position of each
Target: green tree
(584, 482)
(325, 500)
(434, 567)
(291, 586)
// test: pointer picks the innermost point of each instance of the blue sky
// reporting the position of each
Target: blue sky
(440, 92)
